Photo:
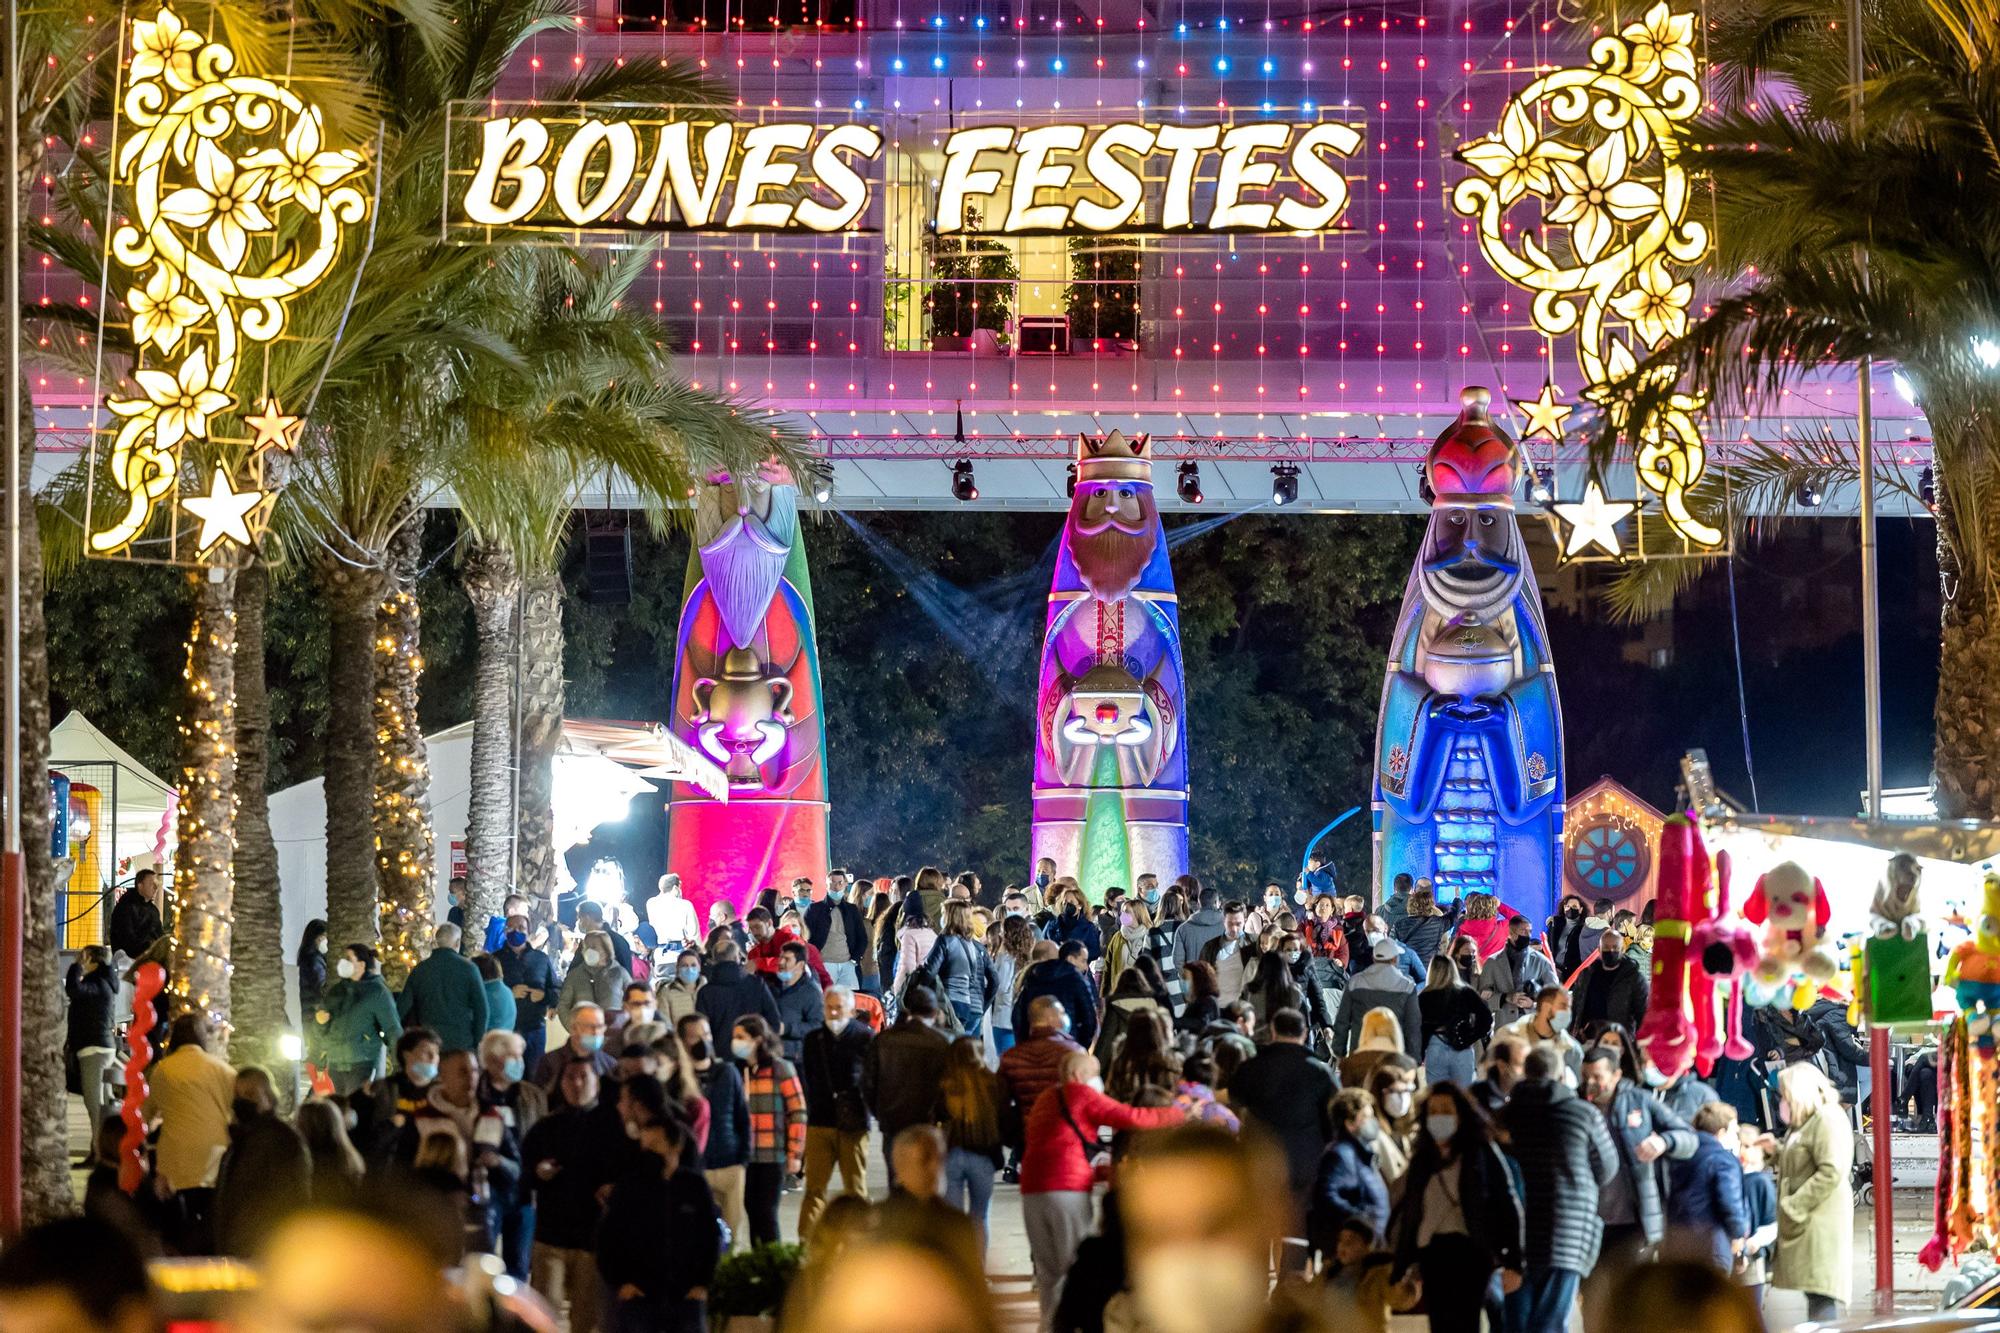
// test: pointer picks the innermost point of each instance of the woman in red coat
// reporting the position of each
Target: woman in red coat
(1058, 1170)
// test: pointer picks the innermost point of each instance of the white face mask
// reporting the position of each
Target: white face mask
(1396, 1103)
(1200, 1287)
(837, 1025)
(346, 969)
(1095, 1084)
(592, 958)
(320, 944)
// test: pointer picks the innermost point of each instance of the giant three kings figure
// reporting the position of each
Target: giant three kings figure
(1468, 754)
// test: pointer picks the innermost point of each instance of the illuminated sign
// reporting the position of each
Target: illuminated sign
(570, 170)
(237, 208)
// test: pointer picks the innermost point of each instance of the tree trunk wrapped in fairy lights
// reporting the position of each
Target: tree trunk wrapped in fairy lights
(1111, 770)
(746, 694)
(405, 852)
(1468, 753)
(204, 860)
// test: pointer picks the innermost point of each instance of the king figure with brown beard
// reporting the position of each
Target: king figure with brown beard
(1111, 793)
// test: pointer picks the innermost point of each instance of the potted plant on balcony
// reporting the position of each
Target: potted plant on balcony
(1102, 298)
(972, 286)
(749, 1288)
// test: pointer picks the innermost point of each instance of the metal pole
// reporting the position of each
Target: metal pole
(13, 896)
(1871, 722)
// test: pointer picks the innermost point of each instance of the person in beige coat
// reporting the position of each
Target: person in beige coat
(1815, 1199)
(189, 1095)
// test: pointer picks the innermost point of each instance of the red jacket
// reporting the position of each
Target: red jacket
(1055, 1159)
(765, 957)
(1030, 1069)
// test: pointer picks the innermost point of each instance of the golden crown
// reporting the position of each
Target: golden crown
(1113, 457)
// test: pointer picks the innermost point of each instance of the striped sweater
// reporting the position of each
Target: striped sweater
(777, 1113)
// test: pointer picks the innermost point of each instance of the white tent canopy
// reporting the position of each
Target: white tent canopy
(84, 754)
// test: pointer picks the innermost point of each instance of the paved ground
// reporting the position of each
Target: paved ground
(1008, 1269)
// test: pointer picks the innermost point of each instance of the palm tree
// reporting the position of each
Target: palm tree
(1880, 238)
(257, 990)
(420, 323)
(405, 850)
(602, 399)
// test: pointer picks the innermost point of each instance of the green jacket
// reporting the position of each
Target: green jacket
(1816, 1207)
(361, 1020)
(446, 994)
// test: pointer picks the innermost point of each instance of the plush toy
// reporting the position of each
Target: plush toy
(1892, 971)
(1896, 910)
(1973, 970)
(1725, 950)
(1667, 1034)
(1793, 908)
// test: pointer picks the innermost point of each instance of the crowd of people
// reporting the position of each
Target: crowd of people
(1289, 1111)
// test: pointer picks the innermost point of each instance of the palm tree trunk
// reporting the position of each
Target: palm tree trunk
(352, 596)
(257, 990)
(204, 884)
(541, 729)
(1966, 759)
(493, 585)
(45, 1179)
(405, 853)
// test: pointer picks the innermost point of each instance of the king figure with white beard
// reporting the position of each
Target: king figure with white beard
(1111, 798)
(1469, 761)
(746, 694)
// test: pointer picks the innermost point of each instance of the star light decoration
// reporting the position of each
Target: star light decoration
(1592, 522)
(236, 208)
(1615, 209)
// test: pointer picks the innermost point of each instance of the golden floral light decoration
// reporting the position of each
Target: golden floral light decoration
(1614, 200)
(236, 207)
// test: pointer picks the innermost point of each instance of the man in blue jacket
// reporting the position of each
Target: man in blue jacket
(532, 979)
(446, 994)
(1707, 1195)
(1066, 977)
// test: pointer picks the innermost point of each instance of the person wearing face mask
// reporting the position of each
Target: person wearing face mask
(1271, 905)
(1564, 933)
(1510, 979)
(837, 1120)
(777, 1122)
(595, 977)
(1325, 935)
(1566, 1157)
(1455, 1020)
(676, 994)
(587, 1030)
(1348, 1185)
(445, 994)
(1549, 1021)
(1611, 989)
(1644, 1132)
(311, 960)
(1073, 922)
(266, 1171)
(659, 1243)
(531, 979)
(725, 1155)
(834, 927)
(566, 1160)
(1459, 1219)
(801, 1003)
(637, 1010)
(1398, 1109)
(503, 1089)
(1200, 1216)
(356, 1019)
(1504, 1057)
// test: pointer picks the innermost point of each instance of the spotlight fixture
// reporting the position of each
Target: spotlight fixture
(1927, 490)
(1187, 482)
(823, 489)
(1424, 491)
(1284, 483)
(1069, 487)
(962, 487)
(1809, 495)
(1541, 484)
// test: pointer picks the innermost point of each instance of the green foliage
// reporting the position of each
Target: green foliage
(972, 282)
(754, 1282)
(1102, 299)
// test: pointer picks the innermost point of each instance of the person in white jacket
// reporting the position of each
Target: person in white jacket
(672, 917)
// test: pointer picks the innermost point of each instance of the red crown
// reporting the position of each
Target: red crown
(1474, 460)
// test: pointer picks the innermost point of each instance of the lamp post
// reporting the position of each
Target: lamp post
(13, 889)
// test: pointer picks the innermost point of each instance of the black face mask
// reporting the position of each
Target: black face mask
(1573, 913)
(1517, 944)
(697, 1051)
